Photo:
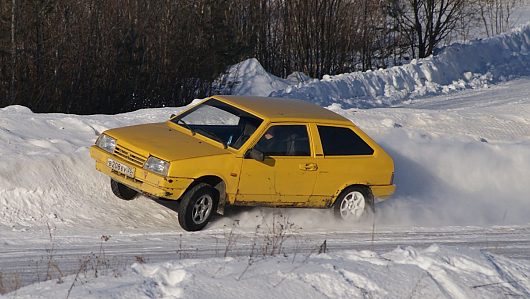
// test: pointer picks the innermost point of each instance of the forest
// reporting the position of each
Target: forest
(97, 56)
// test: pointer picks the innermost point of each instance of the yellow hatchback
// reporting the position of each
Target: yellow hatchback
(247, 151)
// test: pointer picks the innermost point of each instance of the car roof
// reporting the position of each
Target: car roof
(284, 109)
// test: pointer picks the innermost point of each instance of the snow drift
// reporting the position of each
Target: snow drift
(248, 78)
(456, 67)
(46, 174)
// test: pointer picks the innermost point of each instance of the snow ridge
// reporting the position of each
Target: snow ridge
(249, 78)
(456, 67)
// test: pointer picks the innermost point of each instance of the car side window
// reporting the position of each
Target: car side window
(340, 141)
(285, 140)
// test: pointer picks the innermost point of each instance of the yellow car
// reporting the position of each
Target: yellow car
(247, 151)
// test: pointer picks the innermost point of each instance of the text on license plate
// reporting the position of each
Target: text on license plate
(121, 168)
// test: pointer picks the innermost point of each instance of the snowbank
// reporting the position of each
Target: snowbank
(47, 176)
(433, 272)
(250, 78)
(456, 67)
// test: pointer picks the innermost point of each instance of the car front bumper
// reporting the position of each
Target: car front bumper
(144, 181)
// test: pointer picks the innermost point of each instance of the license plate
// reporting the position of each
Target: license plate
(121, 168)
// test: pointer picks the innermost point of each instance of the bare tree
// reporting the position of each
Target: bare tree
(428, 22)
(13, 52)
(93, 56)
(496, 14)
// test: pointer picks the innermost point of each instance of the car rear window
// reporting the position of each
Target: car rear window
(340, 141)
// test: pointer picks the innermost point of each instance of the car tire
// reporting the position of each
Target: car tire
(197, 206)
(354, 203)
(122, 191)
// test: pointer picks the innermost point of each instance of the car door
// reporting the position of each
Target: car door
(287, 175)
(343, 156)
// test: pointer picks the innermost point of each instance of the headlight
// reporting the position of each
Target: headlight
(107, 143)
(157, 165)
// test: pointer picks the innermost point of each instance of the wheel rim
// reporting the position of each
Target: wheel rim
(202, 209)
(352, 206)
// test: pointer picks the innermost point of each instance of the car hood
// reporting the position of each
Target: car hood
(162, 141)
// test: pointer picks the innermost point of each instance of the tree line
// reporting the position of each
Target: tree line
(97, 56)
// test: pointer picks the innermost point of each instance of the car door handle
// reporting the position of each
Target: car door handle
(308, 166)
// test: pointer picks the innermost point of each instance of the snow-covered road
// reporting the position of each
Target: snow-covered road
(32, 256)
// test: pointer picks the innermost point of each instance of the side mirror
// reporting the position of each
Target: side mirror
(255, 154)
(172, 115)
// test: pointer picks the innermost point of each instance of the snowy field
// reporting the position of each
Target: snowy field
(457, 227)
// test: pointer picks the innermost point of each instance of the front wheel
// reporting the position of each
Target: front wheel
(197, 206)
(353, 203)
(122, 191)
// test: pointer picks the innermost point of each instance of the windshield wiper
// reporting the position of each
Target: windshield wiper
(186, 125)
(212, 136)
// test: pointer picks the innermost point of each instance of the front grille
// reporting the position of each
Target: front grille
(130, 156)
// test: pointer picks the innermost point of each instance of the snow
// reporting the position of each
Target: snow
(250, 78)
(461, 147)
(433, 272)
(521, 15)
(463, 150)
(461, 161)
(456, 67)
(46, 174)
(457, 164)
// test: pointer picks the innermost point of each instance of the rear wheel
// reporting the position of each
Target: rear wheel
(197, 206)
(353, 203)
(122, 191)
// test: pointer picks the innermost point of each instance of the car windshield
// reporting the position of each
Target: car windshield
(221, 122)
